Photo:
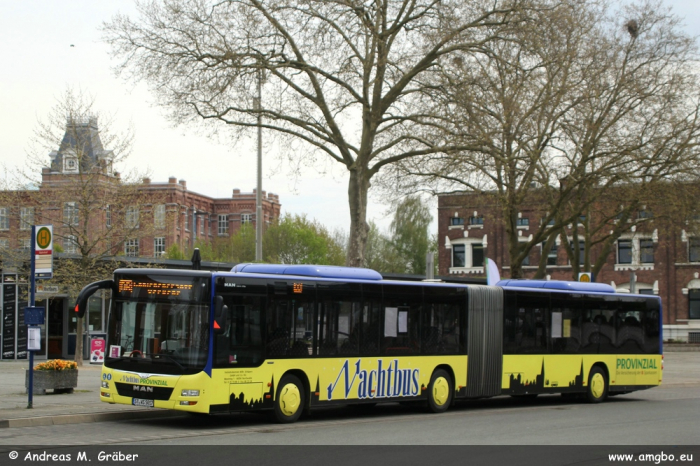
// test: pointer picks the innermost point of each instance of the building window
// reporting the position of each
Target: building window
(131, 248)
(25, 244)
(4, 218)
(522, 222)
(624, 251)
(159, 216)
(246, 218)
(646, 251)
(70, 164)
(458, 255)
(4, 244)
(202, 220)
(581, 250)
(26, 218)
(477, 255)
(645, 214)
(158, 246)
(223, 225)
(70, 244)
(694, 250)
(455, 221)
(635, 251)
(108, 216)
(552, 254)
(476, 220)
(694, 304)
(468, 255)
(187, 220)
(132, 217)
(70, 214)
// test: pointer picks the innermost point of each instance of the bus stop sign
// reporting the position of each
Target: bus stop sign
(34, 315)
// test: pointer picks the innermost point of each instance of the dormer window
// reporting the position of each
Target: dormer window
(70, 164)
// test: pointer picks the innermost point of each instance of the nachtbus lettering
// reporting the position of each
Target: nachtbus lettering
(132, 379)
(386, 381)
(636, 363)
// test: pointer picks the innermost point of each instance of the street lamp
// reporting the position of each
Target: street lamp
(258, 193)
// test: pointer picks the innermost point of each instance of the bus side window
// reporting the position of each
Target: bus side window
(369, 339)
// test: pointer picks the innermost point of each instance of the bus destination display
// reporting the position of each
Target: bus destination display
(146, 288)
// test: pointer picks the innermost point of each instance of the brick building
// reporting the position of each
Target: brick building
(159, 214)
(663, 260)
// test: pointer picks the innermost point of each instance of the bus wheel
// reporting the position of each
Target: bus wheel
(597, 385)
(289, 402)
(440, 392)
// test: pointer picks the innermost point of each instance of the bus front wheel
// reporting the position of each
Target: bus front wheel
(440, 391)
(289, 402)
(597, 385)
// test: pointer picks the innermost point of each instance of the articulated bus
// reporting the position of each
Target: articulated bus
(288, 338)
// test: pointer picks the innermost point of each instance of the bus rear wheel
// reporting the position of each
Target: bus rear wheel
(597, 385)
(440, 391)
(290, 399)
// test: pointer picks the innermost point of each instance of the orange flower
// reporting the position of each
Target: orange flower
(56, 365)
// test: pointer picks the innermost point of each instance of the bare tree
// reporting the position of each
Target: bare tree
(634, 132)
(341, 76)
(505, 103)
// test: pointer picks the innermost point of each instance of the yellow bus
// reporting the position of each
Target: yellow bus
(289, 338)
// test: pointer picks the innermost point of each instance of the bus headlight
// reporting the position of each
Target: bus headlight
(190, 393)
(105, 384)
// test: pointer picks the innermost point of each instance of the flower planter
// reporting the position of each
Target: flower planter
(59, 381)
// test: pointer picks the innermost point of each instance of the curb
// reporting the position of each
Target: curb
(85, 418)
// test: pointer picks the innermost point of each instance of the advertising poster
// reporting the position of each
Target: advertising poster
(97, 351)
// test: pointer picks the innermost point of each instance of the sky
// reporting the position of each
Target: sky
(48, 46)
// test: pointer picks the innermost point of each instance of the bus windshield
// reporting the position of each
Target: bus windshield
(159, 324)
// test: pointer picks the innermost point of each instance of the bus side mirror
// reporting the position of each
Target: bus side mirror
(221, 315)
(87, 291)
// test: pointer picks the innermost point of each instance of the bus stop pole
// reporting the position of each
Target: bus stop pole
(32, 283)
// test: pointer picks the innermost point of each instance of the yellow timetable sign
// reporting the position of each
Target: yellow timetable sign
(43, 251)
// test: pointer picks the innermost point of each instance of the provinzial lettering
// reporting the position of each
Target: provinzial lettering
(636, 363)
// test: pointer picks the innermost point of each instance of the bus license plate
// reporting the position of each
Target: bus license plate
(140, 402)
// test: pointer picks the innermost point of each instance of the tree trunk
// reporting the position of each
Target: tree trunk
(358, 187)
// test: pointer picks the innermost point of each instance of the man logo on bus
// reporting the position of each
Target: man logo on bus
(384, 382)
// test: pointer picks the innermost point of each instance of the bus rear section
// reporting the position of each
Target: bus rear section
(579, 339)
